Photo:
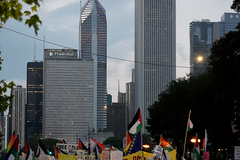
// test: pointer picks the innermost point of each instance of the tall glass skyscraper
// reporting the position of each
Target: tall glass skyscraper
(155, 50)
(93, 45)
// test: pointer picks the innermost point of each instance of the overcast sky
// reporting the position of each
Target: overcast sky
(60, 19)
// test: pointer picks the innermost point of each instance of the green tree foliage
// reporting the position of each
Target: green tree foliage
(4, 98)
(225, 63)
(14, 9)
(146, 139)
(114, 141)
(210, 96)
(236, 5)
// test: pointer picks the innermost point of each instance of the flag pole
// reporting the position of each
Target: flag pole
(186, 134)
(160, 140)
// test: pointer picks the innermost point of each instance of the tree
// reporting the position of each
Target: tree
(114, 141)
(14, 9)
(212, 96)
(236, 5)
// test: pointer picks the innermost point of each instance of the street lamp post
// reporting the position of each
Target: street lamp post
(88, 130)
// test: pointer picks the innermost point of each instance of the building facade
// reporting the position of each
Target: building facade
(16, 120)
(116, 119)
(201, 39)
(155, 51)
(68, 95)
(130, 98)
(93, 45)
(203, 34)
(34, 105)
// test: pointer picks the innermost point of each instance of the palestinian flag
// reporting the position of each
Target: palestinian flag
(135, 126)
(81, 145)
(41, 149)
(56, 151)
(190, 125)
(13, 153)
(165, 145)
(196, 149)
(28, 150)
(64, 142)
(13, 138)
(129, 139)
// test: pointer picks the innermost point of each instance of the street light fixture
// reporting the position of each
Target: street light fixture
(193, 140)
(145, 146)
(200, 58)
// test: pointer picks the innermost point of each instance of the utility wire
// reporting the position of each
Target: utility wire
(120, 59)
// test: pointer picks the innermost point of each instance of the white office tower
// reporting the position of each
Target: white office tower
(67, 95)
(155, 51)
(16, 115)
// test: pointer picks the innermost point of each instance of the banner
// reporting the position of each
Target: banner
(80, 154)
(147, 156)
(205, 155)
(138, 156)
(116, 155)
(66, 157)
(105, 155)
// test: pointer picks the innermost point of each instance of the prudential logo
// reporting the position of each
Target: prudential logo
(50, 54)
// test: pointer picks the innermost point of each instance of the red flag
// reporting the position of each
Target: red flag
(56, 151)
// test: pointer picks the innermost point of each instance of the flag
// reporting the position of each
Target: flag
(64, 142)
(166, 146)
(128, 138)
(28, 150)
(56, 151)
(13, 153)
(135, 145)
(190, 125)
(92, 144)
(135, 126)
(97, 157)
(10, 142)
(204, 144)
(81, 145)
(196, 149)
(99, 144)
(41, 149)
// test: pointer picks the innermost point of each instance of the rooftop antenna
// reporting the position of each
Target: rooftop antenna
(34, 57)
(80, 28)
(118, 87)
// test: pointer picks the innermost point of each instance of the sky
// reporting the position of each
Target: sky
(60, 23)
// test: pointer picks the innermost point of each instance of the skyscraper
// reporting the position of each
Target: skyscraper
(93, 45)
(202, 35)
(68, 95)
(155, 50)
(201, 39)
(130, 98)
(16, 120)
(34, 105)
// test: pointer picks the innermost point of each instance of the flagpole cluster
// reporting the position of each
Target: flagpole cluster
(188, 122)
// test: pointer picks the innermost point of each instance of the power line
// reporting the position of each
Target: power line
(120, 59)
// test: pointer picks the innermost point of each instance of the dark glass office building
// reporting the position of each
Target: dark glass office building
(34, 100)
